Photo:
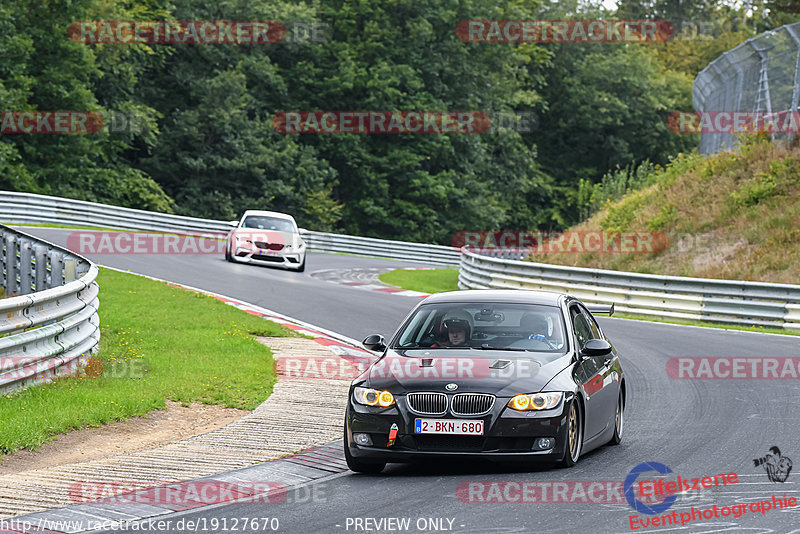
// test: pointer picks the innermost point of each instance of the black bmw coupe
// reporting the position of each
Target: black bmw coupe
(497, 374)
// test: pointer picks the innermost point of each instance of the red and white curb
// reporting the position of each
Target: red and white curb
(367, 279)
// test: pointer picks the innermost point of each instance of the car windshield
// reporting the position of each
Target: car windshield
(261, 222)
(485, 326)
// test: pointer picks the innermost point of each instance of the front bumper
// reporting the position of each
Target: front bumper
(261, 257)
(508, 435)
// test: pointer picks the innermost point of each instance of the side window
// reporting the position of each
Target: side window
(411, 335)
(592, 325)
(580, 325)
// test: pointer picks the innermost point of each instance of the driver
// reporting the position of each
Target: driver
(457, 332)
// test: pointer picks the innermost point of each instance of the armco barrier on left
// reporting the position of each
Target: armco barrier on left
(49, 325)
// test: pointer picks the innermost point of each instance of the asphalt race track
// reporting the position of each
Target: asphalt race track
(696, 427)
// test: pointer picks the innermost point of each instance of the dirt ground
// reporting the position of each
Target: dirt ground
(158, 428)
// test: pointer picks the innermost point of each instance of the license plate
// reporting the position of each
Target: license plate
(466, 427)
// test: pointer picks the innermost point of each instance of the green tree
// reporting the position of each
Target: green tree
(44, 70)
(608, 108)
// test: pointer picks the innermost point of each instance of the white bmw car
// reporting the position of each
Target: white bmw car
(266, 238)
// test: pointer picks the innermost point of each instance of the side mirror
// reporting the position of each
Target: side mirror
(233, 223)
(375, 343)
(597, 347)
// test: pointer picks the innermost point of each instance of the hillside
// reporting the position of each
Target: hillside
(733, 215)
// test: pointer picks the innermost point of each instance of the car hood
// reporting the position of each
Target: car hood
(501, 373)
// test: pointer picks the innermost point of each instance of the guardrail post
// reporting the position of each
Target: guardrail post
(81, 269)
(763, 98)
(11, 265)
(25, 266)
(40, 257)
(70, 268)
(3, 260)
(56, 268)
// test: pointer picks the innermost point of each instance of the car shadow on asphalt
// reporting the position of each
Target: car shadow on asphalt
(465, 467)
(461, 466)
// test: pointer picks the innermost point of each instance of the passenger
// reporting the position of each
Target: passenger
(535, 325)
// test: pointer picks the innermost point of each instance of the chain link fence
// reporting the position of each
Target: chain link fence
(762, 76)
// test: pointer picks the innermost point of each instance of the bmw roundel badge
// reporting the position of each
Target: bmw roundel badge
(451, 387)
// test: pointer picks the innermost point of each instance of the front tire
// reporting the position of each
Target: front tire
(360, 466)
(572, 452)
(302, 266)
(619, 421)
(228, 256)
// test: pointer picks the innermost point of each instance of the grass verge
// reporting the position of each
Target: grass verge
(157, 342)
(425, 281)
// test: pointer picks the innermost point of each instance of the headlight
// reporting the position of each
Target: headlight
(373, 397)
(535, 401)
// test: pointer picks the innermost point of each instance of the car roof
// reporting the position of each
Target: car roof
(517, 296)
(275, 214)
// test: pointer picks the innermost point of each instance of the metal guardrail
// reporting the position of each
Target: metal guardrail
(49, 325)
(369, 246)
(27, 208)
(676, 297)
(725, 301)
